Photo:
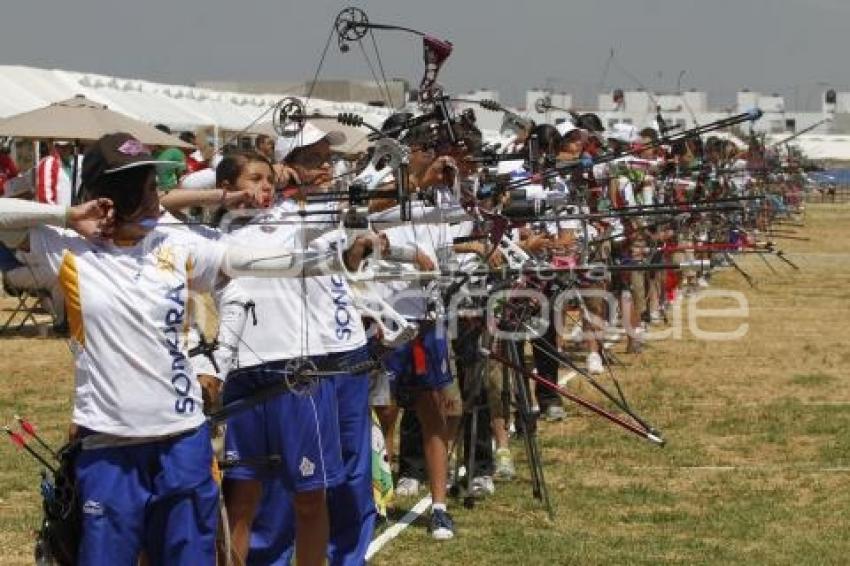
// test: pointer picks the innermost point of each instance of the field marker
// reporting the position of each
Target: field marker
(396, 529)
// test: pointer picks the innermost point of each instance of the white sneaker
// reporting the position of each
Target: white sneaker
(594, 364)
(407, 487)
(702, 283)
(482, 486)
(505, 469)
(655, 317)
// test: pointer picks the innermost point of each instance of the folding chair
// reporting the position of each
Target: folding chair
(29, 301)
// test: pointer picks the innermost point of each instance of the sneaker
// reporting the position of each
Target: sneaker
(613, 334)
(482, 486)
(634, 347)
(505, 470)
(702, 283)
(442, 527)
(565, 375)
(594, 364)
(555, 413)
(655, 317)
(407, 487)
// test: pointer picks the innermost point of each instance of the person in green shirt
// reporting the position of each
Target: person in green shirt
(168, 179)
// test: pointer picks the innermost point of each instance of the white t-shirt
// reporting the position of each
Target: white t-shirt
(435, 240)
(127, 313)
(295, 316)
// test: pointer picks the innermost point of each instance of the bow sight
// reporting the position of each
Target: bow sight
(544, 104)
(289, 116)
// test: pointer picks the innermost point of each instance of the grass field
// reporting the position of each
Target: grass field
(756, 468)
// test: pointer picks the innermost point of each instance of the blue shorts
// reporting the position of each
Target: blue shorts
(351, 506)
(159, 497)
(420, 365)
(294, 437)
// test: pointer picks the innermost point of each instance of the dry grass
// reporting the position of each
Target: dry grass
(757, 466)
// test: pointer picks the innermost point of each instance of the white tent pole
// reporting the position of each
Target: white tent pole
(35, 160)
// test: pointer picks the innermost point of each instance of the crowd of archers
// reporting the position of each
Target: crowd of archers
(244, 343)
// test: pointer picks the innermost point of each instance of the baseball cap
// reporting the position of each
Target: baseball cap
(118, 152)
(566, 127)
(309, 134)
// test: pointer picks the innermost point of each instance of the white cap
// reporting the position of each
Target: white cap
(203, 179)
(308, 135)
(566, 127)
(626, 133)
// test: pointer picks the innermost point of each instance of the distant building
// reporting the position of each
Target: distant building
(367, 92)
(680, 110)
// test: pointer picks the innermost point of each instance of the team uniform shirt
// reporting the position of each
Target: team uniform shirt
(309, 316)
(408, 298)
(127, 311)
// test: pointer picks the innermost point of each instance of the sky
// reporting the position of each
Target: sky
(796, 48)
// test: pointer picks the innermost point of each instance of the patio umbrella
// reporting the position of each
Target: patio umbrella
(82, 119)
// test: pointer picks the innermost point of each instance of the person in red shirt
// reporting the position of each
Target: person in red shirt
(194, 158)
(8, 167)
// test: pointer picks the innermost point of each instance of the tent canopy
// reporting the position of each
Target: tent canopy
(81, 119)
(178, 106)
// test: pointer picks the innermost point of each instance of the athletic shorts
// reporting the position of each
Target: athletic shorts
(159, 497)
(420, 365)
(292, 436)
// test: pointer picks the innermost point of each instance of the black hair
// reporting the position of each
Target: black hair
(260, 139)
(650, 133)
(126, 189)
(296, 153)
(394, 122)
(548, 138)
(187, 137)
(234, 162)
(163, 128)
(591, 122)
(681, 147)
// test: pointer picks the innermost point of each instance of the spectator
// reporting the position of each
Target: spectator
(54, 174)
(168, 179)
(194, 157)
(265, 146)
(8, 167)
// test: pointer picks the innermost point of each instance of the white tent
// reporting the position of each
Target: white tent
(821, 147)
(180, 107)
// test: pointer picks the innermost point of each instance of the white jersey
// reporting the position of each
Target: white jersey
(296, 316)
(127, 311)
(436, 241)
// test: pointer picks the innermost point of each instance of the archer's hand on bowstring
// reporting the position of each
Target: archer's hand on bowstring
(536, 243)
(363, 246)
(93, 219)
(286, 176)
(440, 172)
(243, 199)
(495, 260)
